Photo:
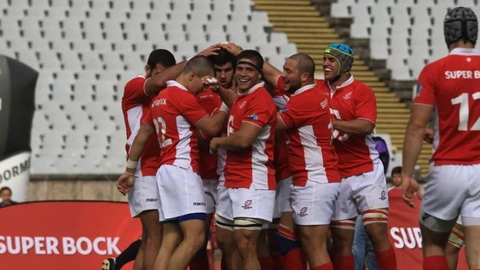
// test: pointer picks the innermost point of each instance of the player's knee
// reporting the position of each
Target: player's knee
(224, 233)
(286, 240)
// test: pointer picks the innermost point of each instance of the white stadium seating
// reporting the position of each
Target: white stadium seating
(407, 33)
(86, 51)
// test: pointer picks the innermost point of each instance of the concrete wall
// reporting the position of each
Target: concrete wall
(104, 190)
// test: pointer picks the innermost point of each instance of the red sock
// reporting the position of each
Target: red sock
(294, 260)
(386, 260)
(266, 263)
(435, 263)
(200, 261)
(345, 263)
(327, 266)
(277, 262)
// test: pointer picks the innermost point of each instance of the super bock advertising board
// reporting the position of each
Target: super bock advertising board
(17, 105)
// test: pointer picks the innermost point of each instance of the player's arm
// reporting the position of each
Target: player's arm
(366, 116)
(413, 142)
(196, 115)
(243, 138)
(228, 96)
(271, 74)
(158, 82)
(137, 147)
(154, 84)
(354, 127)
(212, 125)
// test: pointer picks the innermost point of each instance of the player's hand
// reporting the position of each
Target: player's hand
(428, 136)
(409, 188)
(214, 145)
(211, 82)
(212, 50)
(125, 182)
(232, 48)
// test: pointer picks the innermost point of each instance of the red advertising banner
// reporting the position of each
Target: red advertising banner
(57, 235)
(405, 234)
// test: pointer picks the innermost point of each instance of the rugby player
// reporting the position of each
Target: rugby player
(364, 188)
(449, 88)
(173, 115)
(224, 64)
(249, 172)
(143, 198)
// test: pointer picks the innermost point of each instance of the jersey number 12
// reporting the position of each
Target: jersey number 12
(464, 112)
(161, 129)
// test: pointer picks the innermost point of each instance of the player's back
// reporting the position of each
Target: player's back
(452, 85)
(178, 143)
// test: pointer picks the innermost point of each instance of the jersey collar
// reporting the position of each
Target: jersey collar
(304, 88)
(251, 90)
(465, 51)
(343, 85)
(176, 84)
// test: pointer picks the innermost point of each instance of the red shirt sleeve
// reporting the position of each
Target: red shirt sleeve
(257, 112)
(366, 105)
(134, 93)
(425, 92)
(294, 114)
(147, 119)
(189, 107)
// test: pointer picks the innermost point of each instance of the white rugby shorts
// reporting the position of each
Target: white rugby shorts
(360, 193)
(144, 194)
(181, 192)
(210, 190)
(282, 203)
(314, 204)
(246, 203)
(453, 190)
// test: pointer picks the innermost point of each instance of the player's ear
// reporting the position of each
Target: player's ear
(192, 75)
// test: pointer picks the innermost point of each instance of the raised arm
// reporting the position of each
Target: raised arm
(158, 82)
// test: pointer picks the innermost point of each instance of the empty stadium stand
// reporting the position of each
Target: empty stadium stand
(87, 50)
(311, 32)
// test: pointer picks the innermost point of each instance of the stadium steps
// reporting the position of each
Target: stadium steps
(305, 26)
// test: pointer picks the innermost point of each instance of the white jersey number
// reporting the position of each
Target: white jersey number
(161, 129)
(336, 133)
(230, 129)
(464, 112)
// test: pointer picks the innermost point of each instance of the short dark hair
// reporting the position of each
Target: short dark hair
(223, 57)
(252, 55)
(5, 188)
(201, 65)
(397, 170)
(305, 63)
(162, 57)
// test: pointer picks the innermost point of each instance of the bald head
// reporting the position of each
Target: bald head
(305, 64)
(201, 65)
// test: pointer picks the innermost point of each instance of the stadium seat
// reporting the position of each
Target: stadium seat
(86, 51)
(400, 30)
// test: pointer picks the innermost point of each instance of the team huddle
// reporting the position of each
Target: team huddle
(282, 161)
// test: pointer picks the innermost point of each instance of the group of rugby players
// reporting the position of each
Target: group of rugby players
(286, 162)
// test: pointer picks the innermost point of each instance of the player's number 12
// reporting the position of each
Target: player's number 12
(464, 112)
(161, 129)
